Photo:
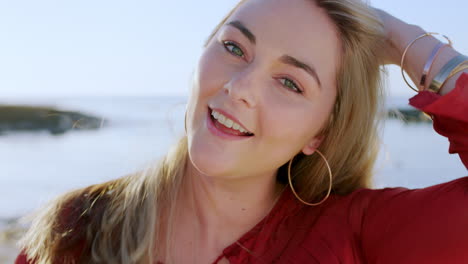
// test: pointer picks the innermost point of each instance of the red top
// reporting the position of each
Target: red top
(391, 225)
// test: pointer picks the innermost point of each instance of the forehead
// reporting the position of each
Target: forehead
(294, 27)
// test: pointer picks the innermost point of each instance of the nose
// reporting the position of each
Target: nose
(242, 87)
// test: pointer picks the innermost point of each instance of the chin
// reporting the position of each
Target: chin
(210, 162)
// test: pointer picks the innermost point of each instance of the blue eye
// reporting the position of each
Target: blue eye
(232, 48)
(291, 85)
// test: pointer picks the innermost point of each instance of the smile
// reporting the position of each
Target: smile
(224, 127)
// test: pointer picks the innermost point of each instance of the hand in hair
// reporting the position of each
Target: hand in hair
(398, 35)
(391, 54)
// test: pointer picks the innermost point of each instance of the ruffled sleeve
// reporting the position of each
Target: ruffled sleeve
(450, 115)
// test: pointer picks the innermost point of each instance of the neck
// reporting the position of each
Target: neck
(222, 209)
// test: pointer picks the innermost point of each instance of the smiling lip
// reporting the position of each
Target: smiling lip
(217, 132)
(229, 116)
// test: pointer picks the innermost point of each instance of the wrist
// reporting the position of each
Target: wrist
(399, 35)
(420, 51)
(403, 35)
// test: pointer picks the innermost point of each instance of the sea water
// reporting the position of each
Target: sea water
(35, 167)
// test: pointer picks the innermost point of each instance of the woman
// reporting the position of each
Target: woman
(283, 89)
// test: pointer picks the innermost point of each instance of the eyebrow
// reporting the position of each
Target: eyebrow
(247, 33)
(296, 63)
(286, 59)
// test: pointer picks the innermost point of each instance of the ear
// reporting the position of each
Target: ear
(312, 145)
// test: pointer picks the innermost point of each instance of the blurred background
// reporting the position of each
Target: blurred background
(93, 90)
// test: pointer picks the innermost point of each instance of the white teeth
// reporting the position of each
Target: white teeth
(221, 119)
(227, 122)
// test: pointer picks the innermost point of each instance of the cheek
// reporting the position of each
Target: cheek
(291, 127)
(283, 132)
(284, 126)
(211, 75)
(204, 86)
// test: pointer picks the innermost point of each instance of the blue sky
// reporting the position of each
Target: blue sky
(55, 48)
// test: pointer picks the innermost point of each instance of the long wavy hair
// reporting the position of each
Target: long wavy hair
(129, 220)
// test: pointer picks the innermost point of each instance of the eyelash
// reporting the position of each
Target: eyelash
(296, 88)
(230, 43)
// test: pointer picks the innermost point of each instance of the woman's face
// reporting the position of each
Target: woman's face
(271, 69)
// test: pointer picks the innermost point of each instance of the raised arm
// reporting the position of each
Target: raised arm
(425, 53)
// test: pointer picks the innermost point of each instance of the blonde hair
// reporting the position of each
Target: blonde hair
(128, 219)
